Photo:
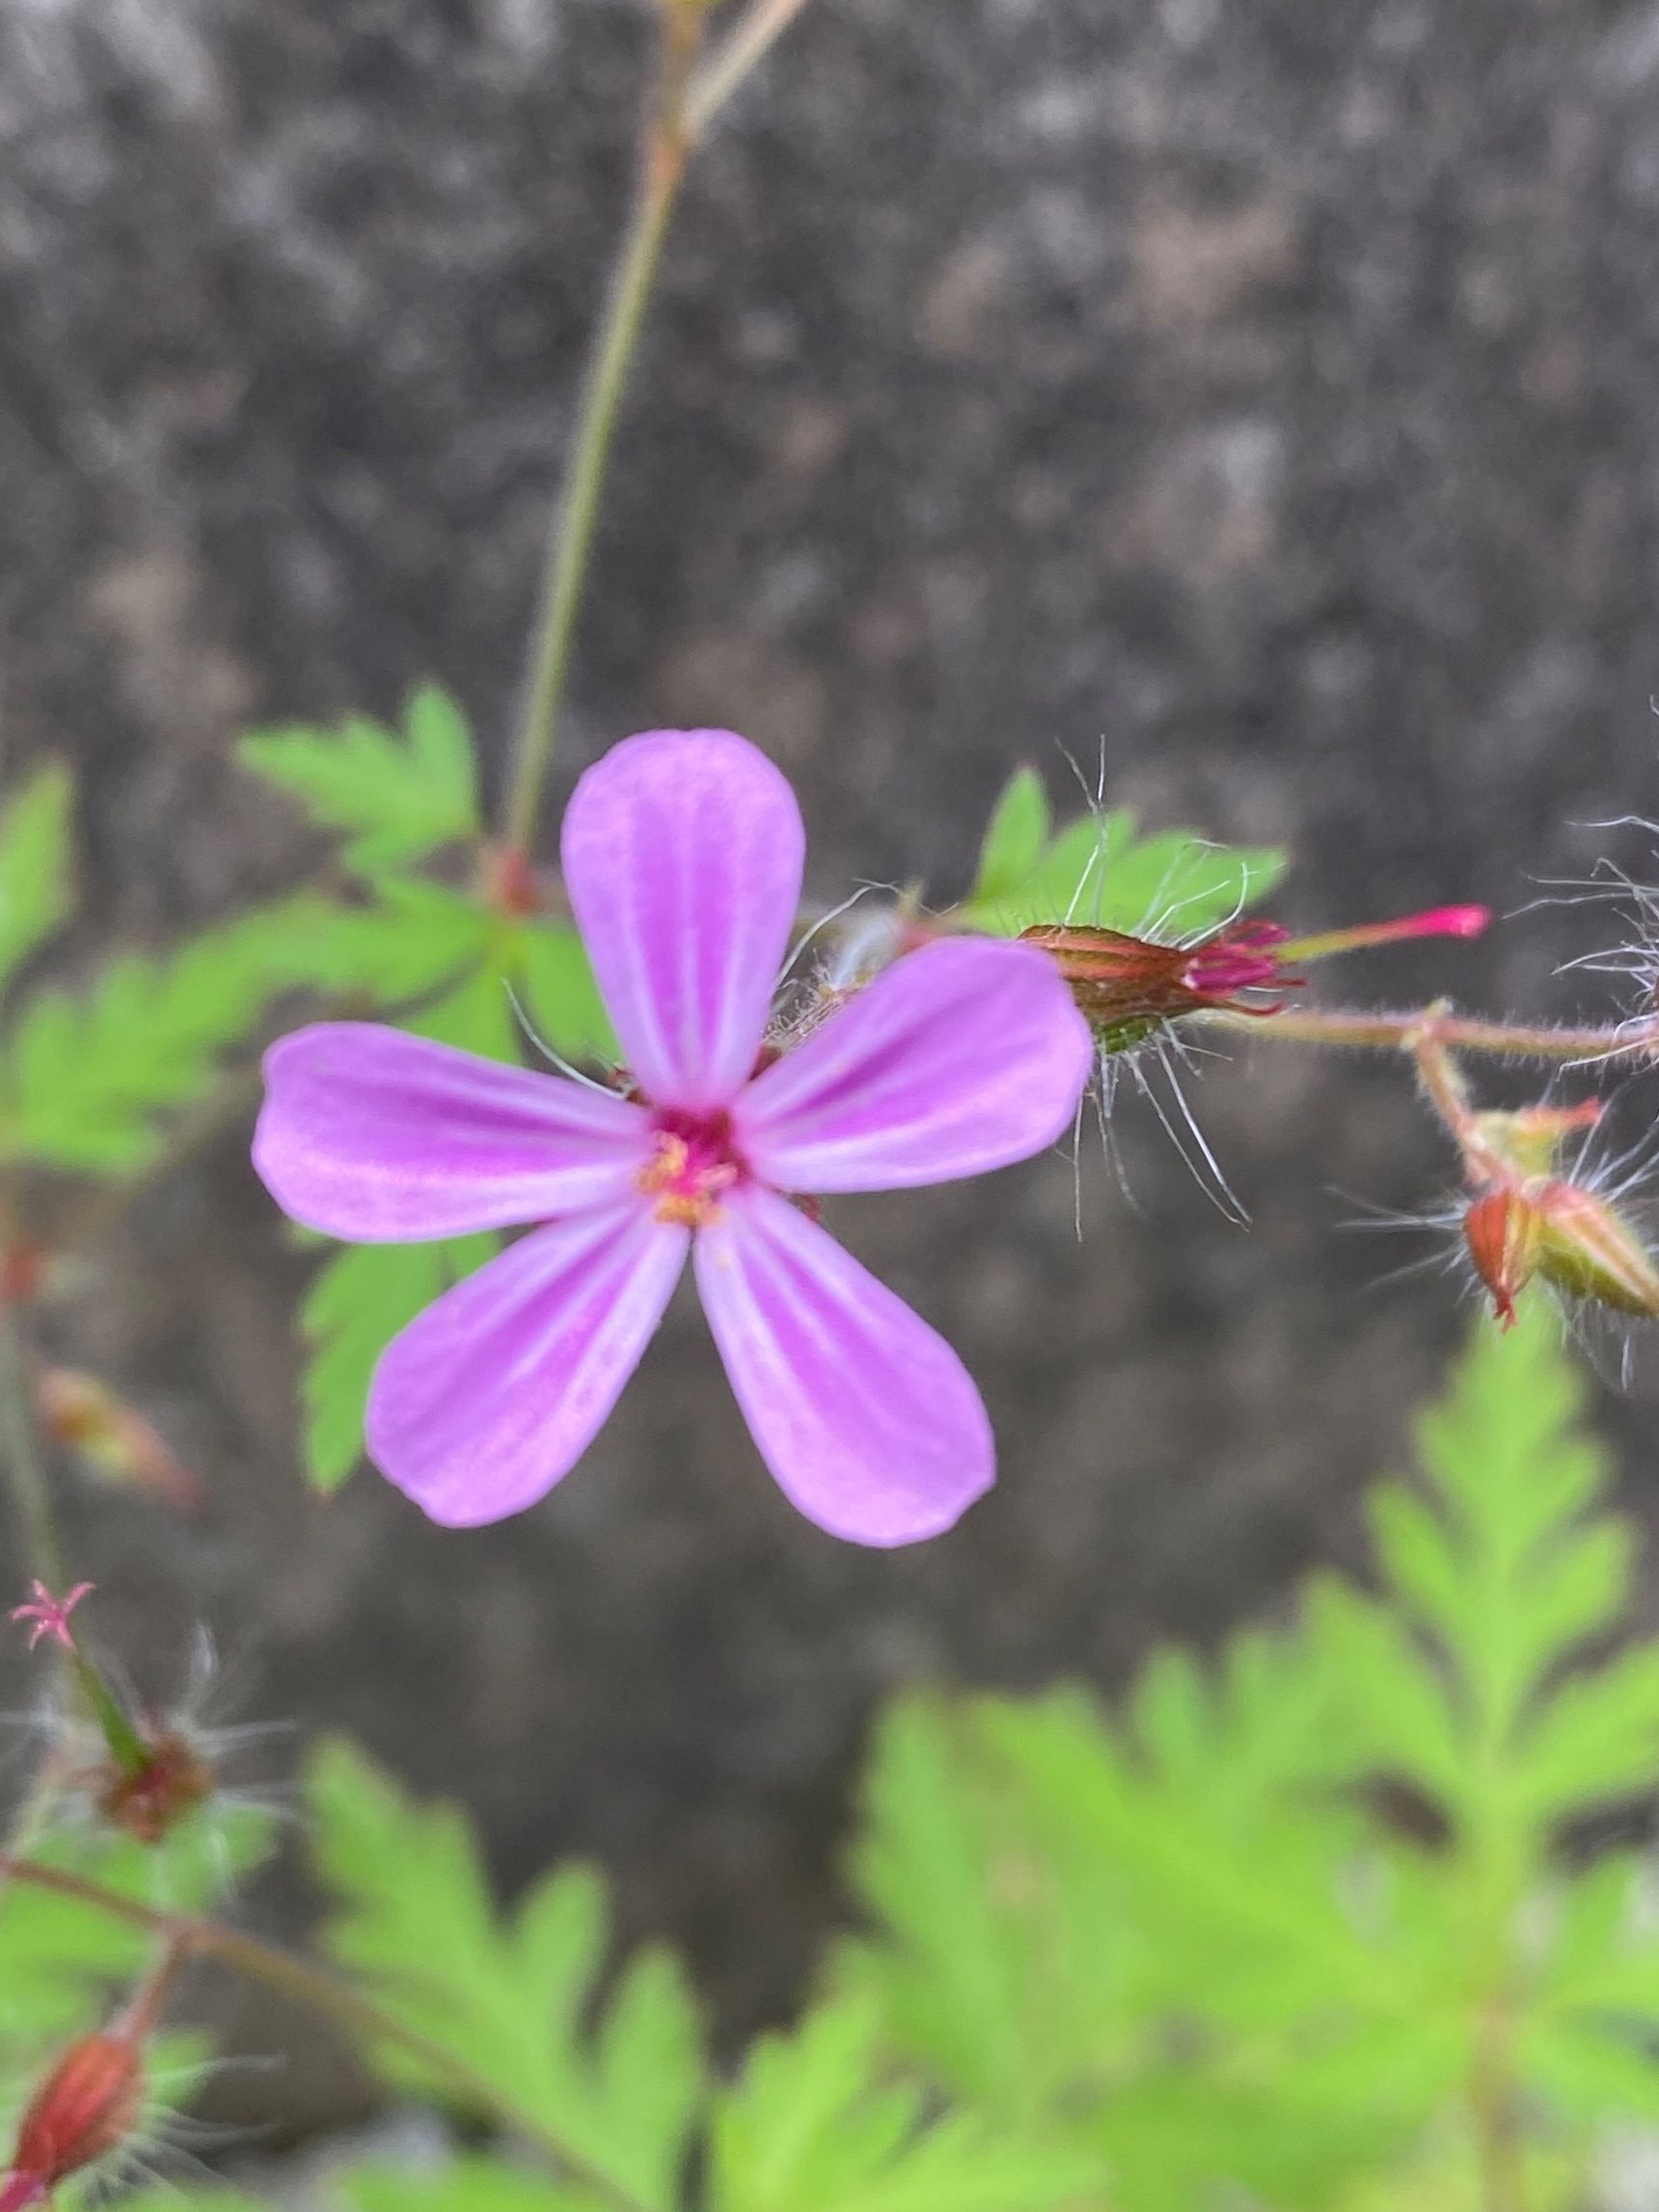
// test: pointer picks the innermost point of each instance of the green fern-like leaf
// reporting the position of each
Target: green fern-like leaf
(815, 2125)
(88, 1077)
(356, 1304)
(396, 797)
(511, 1995)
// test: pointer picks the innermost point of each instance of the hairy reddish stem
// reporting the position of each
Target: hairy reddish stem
(321, 1991)
(1385, 1031)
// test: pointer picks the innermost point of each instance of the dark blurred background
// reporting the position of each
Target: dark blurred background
(1265, 393)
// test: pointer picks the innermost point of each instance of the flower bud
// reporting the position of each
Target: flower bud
(90, 2103)
(1126, 986)
(148, 1798)
(83, 1413)
(1566, 1236)
(1502, 1230)
(87, 2106)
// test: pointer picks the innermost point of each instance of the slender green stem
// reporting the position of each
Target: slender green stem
(1387, 1031)
(748, 42)
(571, 543)
(25, 1470)
(320, 1991)
(682, 101)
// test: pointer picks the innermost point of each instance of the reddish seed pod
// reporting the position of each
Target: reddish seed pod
(87, 2106)
(148, 1800)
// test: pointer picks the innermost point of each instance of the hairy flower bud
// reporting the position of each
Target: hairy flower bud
(90, 2104)
(87, 2106)
(1126, 986)
(1502, 1231)
(1567, 1236)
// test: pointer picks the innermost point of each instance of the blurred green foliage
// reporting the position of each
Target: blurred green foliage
(1312, 1927)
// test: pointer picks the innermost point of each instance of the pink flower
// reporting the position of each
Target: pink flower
(682, 856)
(49, 1616)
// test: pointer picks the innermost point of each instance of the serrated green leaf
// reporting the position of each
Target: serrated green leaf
(88, 1077)
(34, 866)
(396, 798)
(549, 965)
(511, 1997)
(1013, 839)
(357, 1302)
(1097, 872)
(813, 2125)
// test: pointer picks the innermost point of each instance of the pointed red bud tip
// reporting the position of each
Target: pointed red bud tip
(1502, 1231)
(1443, 921)
(88, 2105)
(1434, 921)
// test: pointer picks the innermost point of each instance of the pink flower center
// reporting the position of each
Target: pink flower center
(693, 1160)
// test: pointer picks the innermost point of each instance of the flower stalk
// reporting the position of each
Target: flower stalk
(681, 103)
(1358, 1030)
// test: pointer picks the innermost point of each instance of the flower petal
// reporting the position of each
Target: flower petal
(381, 1137)
(492, 1394)
(958, 1058)
(867, 1419)
(682, 853)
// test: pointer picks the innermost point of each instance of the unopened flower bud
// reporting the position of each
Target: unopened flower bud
(149, 1798)
(86, 1416)
(1126, 986)
(1567, 1236)
(90, 2103)
(1502, 1231)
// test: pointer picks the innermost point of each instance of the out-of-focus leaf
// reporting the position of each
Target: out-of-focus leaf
(1097, 871)
(511, 1996)
(34, 865)
(396, 798)
(357, 1302)
(1013, 839)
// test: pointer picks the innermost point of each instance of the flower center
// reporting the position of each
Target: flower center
(693, 1160)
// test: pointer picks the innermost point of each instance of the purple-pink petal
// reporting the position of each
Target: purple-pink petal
(865, 1417)
(682, 853)
(492, 1394)
(960, 1057)
(374, 1135)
